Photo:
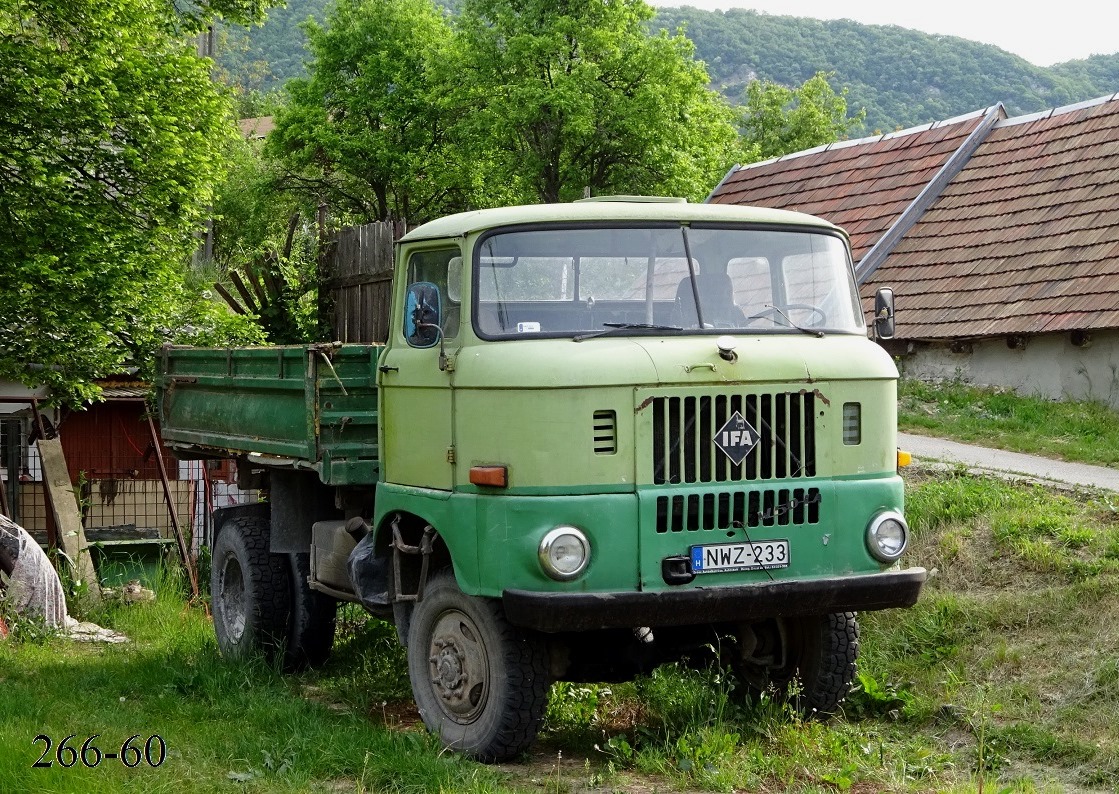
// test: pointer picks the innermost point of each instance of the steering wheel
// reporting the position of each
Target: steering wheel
(777, 311)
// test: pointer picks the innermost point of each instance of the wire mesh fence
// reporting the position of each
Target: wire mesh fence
(127, 484)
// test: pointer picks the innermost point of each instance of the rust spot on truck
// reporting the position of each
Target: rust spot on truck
(818, 394)
(644, 404)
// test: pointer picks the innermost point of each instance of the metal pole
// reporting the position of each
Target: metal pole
(184, 552)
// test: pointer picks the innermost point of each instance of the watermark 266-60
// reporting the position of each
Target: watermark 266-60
(134, 751)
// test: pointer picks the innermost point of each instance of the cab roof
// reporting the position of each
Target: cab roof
(609, 208)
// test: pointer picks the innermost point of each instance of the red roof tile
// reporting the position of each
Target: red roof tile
(1023, 240)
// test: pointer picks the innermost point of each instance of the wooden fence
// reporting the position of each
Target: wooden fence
(357, 281)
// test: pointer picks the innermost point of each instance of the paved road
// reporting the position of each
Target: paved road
(925, 450)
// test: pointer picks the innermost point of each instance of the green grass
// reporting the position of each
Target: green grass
(1087, 432)
(226, 726)
(1004, 677)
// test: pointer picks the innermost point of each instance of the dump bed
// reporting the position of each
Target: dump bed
(310, 407)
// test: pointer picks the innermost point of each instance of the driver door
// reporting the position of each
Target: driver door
(417, 396)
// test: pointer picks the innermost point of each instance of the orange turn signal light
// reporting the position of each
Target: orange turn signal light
(493, 476)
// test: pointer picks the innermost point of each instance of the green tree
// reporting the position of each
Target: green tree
(197, 15)
(266, 237)
(110, 144)
(779, 120)
(368, 131)
(577, 94)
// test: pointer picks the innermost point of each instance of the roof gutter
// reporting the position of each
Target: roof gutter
(931, 192)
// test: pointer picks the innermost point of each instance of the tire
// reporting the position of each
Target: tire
(310, 632)
(807, 661)
(480, 683)
(250, 591)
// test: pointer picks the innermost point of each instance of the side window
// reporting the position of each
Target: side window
(442, 269)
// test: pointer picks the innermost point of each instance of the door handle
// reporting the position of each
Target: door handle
(386, 369)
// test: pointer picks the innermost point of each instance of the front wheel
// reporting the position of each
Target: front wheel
(480, 683)
(808, 661)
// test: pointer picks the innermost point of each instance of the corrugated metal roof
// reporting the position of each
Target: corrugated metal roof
(123, 393)
(1023, 240)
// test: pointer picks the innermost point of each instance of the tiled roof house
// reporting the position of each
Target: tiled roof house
(999, 236)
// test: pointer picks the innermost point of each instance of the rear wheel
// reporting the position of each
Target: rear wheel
(310, 634)
(250, 591)
(480, 683)
(808, 661)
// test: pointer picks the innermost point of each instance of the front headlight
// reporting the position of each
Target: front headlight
(887, 536)
(564, 553)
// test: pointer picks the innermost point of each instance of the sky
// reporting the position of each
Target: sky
(1042, 34)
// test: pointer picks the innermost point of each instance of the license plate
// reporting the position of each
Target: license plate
(755, 556)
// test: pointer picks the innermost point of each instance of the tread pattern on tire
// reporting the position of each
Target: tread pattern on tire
(310, 629)
(526, 664)
(267, 583)
(836, 665)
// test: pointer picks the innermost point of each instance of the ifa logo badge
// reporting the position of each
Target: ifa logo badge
(736, 438)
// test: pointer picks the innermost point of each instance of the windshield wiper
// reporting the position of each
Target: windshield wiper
(612, 327)
(809, 331)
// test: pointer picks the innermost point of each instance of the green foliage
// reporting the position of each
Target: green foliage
(264, 236)
(197, 15)
(263, 57)
(200, 318)
(403, 117)
(368, 131)
(110, 144)
(871, 697)
(779, 120)
(579, 95)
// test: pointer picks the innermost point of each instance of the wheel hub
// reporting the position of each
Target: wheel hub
(231, 599)
(459, 666)
(448, 664)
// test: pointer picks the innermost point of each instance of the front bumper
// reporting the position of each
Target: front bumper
(556, 612)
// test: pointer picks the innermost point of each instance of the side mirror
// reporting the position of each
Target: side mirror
(422, 315)
(884, 313)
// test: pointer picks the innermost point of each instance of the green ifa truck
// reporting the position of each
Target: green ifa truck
(600, 437)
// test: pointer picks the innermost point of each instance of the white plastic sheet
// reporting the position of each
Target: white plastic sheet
(33, 588)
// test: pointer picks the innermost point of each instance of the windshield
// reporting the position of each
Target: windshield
(665, 280)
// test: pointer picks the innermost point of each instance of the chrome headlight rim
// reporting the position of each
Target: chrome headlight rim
(872, 544)
(545, 552)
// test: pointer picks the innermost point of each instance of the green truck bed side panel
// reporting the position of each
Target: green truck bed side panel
(313, 405)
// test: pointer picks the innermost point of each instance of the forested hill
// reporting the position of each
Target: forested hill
(901, 77)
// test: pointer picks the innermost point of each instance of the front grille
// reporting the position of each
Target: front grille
(738, 509)
(684, 430)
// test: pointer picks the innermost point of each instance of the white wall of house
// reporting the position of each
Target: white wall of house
(1049, 365)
